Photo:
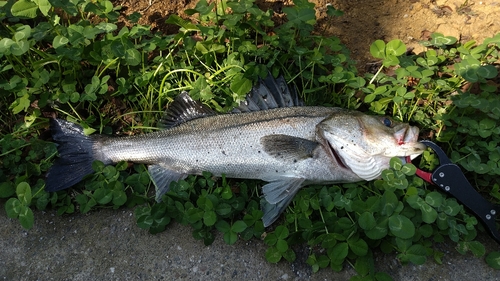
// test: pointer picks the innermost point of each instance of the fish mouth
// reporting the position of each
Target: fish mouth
(407, 138)
(407, 134)
(401, 136)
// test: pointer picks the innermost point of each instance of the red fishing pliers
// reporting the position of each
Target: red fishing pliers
(450, 178)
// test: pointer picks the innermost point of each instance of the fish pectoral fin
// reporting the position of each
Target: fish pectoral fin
(162, 177)
(287, 147)
(277, 195)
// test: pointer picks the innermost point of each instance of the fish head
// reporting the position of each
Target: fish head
(365, 144)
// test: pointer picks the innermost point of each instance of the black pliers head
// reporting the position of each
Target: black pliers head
(450, 178)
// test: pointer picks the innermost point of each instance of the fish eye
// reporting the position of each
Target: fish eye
(387, 122)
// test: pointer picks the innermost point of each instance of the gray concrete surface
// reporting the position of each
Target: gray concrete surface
(108, 245)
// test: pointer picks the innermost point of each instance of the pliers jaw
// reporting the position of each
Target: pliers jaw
(450, 178)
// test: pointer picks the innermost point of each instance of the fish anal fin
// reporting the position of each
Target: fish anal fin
(288, 148)
(162, 177)
(277, 196)
(184, 109)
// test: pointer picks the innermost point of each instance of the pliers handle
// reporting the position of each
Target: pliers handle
(450, 178)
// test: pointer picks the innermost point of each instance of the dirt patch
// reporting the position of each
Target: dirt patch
(154, 12)
(410, 21)
(364, 21)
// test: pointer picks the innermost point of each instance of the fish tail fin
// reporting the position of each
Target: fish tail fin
(75, 155)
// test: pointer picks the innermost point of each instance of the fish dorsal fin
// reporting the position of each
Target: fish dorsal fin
(288, 148)
(284, 95)
(183, 109)
(269, 93)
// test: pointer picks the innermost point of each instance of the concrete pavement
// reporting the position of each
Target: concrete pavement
(108, 245)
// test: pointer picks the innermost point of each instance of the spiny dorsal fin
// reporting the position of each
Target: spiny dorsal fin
(183, 109)
(267, 94)
(287, 96)
(288, 148)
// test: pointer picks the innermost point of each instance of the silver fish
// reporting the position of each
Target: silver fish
(270, 137)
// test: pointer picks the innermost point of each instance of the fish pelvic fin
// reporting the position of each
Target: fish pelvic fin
(277, 196)
(162, 178)
(75, 155)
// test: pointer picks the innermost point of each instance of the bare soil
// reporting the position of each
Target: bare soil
(363, 22)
